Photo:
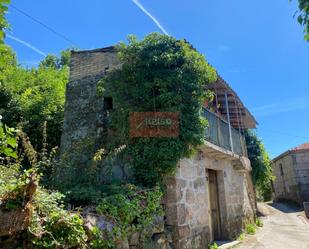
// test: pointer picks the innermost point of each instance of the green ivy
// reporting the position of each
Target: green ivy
(159, 74)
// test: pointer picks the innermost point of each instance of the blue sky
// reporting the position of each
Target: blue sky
(256, 46)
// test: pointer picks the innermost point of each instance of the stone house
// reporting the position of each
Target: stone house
(291, 171)
(211, 197)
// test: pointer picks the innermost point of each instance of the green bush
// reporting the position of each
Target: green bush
(29, 97)
(133, 210)
(51, 226)
(61, 229)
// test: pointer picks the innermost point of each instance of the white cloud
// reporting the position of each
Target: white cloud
(33, 48)
(139, 5)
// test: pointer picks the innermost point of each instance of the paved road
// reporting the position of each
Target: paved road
(285, 227)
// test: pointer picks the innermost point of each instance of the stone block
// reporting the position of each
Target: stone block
(187, 170)
(202, 217)
(181, 232)
(190, 196)
(199, 182)
(134, 239)
(158, 224)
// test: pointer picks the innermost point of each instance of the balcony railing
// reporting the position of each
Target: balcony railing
(218, 133)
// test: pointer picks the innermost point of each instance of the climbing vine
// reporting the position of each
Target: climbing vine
(157, 74)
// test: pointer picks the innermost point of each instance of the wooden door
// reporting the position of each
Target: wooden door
(214, 204)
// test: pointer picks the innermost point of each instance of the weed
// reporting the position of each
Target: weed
(250, 229)
(259, 222)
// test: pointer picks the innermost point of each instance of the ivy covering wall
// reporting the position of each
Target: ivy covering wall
(157, 74)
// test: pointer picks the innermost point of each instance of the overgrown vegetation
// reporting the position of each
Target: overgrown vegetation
(29, 97)
(261, 169)
(159, 74)
(32, 99)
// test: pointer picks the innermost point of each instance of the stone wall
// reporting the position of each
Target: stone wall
(301, 162)
(85, 116)
(285, 184)
(187, 203)
(292, 176)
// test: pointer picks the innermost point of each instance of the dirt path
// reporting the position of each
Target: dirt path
(285, 227)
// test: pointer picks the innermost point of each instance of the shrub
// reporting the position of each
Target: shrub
(133, 210)
(50, 225)
(61, 229)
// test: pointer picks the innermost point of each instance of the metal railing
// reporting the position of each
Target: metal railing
(217, 132)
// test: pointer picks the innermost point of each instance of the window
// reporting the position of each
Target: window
(108, 103)
(281, 169)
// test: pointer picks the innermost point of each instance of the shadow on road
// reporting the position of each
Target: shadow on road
(286, 207)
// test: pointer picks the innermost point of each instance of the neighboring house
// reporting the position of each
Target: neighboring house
(291, 171)
(211, 197)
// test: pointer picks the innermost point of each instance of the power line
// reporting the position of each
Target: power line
(45, 26)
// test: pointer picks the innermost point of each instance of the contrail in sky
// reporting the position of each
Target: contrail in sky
(295, 104)
(138, 4)
(26, 44)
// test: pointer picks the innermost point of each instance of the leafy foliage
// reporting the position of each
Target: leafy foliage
(261, 169)
(31, 96)
(303, 16)
(159, 74)
(132, 210)
(3, 23)
(7, 142)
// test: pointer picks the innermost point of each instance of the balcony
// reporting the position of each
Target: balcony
(220, 134)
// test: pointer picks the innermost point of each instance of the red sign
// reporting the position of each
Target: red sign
(154, 124)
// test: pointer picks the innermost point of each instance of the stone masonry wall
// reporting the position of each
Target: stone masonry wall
(285, 185)
(187, 202)
(301, 162)
(85, 115)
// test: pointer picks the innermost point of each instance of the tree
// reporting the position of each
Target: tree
(303, 16)
(29, 97)
(3, 23)
(260, 163)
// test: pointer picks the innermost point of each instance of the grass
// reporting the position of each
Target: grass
(250, 229)
(241, 237)
(258, 222)
(213, 246)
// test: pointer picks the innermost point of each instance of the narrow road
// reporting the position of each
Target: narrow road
(285, 227)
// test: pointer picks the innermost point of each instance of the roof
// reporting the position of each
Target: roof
(299, 148)
(304, 146)
(240, 116)
(105, 49)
